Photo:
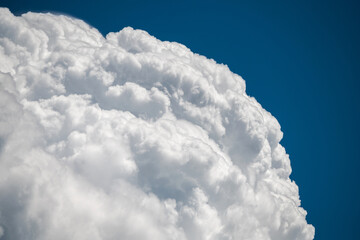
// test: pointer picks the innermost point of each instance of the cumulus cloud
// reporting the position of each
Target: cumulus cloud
(129, 137)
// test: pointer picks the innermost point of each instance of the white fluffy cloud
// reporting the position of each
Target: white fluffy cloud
(129, 137)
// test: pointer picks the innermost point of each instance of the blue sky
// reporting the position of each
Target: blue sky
(300, 60)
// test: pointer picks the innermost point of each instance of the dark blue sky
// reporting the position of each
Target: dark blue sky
(300, 60)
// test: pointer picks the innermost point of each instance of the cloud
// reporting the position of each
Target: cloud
(129, 137)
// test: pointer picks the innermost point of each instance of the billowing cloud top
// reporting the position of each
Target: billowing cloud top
(129, 137)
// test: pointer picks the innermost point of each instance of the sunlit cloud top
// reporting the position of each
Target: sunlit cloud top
(129, 137)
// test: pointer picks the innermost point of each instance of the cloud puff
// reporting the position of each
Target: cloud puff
(129, 137)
